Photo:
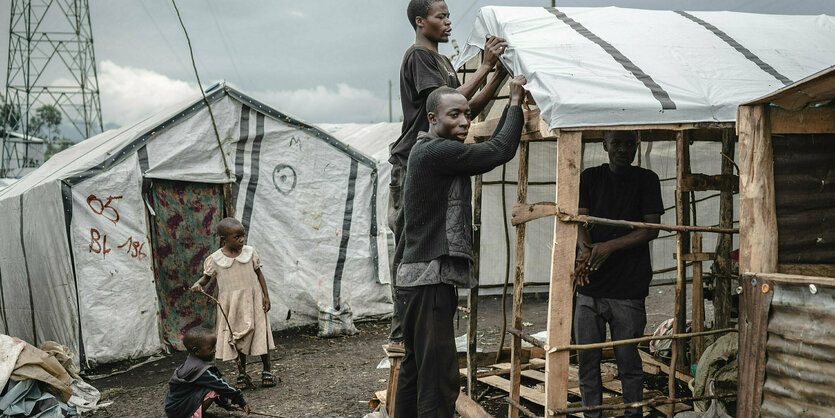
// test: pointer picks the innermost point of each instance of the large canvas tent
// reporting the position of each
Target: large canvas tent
(102, 241)
(599, 67)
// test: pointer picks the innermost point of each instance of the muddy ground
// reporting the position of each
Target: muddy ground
(330, 377)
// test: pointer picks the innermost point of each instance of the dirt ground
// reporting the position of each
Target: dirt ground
(330, 377)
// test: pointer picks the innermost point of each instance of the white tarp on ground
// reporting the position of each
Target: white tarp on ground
(309, 201)
(616, 66)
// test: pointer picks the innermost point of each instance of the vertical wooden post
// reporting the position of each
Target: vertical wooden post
(758, 249)
(682, 247)
(724, 248)
(697, 344)
(569, 156)
(518, 283)
(472, 297)
(228, 205)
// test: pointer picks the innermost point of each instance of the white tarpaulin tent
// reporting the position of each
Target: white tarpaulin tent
(78, 262)
(614, 66)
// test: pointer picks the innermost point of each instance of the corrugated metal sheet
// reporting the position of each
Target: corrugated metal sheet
(804, 186)
(800, 365)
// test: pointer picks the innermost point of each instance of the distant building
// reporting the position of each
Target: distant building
(20, 154)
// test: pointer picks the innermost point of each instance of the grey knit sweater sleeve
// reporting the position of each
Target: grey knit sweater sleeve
(456, 158)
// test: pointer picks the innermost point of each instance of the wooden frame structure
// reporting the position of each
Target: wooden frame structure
(804, 107)
(560, 309)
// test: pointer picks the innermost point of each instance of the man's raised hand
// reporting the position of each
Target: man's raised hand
(494, 47)
(517, 91)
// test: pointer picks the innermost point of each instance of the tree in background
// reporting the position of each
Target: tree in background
(45, 124)
(9, 116)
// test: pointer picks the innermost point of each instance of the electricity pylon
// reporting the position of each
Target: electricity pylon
(51, 62)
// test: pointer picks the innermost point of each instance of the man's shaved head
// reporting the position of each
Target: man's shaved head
(419, 8)
(608, 136)
(434, 98)
(226, 225)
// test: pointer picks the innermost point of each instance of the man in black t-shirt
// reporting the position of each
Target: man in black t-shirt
(614, 268)
(422, 71)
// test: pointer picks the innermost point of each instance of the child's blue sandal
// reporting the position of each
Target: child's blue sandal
(243, 382)
(267, 379)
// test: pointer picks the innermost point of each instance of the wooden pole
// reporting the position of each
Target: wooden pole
(758, 245)
(697, 344)
(472, 297)
(609, 344)
(724, 247)
(518, 284)
(649, 402)
(560, 299)
(682, 218)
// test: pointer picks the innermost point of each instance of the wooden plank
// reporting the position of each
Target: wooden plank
(664, 126)
(518, 283)
(466, 407)
(704, 182)
(697, 344)
(682, 247)
(819, 270)
(485, 129)
(724, 247)
(758, 241)
(792, 279)
(812, 120)
(648, 359)
(696, 256)
(569, 158)
(530, 394)
(472, 295)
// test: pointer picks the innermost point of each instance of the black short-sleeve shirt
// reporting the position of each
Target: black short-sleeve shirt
(422, 71)
(627, 196)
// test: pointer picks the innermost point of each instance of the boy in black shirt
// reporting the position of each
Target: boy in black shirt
(197, 383)
(614, 268)
(422, 71)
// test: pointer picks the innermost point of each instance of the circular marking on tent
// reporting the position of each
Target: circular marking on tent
(284, 178)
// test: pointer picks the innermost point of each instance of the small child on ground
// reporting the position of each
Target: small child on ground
(242, 293)
(197, 383)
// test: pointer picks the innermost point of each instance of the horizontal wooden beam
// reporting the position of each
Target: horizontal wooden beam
(704, 182)
(583, 219)
(530, 339)
(524, 212)
(485, 129)
(528, 212)
(819, 270)
(790, 279)
(696, 256)
(664, 126)
(813, 120)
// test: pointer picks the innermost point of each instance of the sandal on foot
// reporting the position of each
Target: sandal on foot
(267, 379)
(243, 382)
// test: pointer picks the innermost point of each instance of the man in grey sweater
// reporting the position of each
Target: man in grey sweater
(439, 254)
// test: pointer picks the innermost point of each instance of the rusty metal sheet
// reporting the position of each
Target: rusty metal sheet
(800, 373)
(804, 187)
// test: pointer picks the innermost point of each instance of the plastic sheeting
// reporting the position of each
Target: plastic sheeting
(374, 140)
(616, 66)
(116, 290)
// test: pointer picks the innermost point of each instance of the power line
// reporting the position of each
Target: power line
(225, 44)
(182, 64)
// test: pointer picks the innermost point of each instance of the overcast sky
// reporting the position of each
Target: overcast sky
(321, 60)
